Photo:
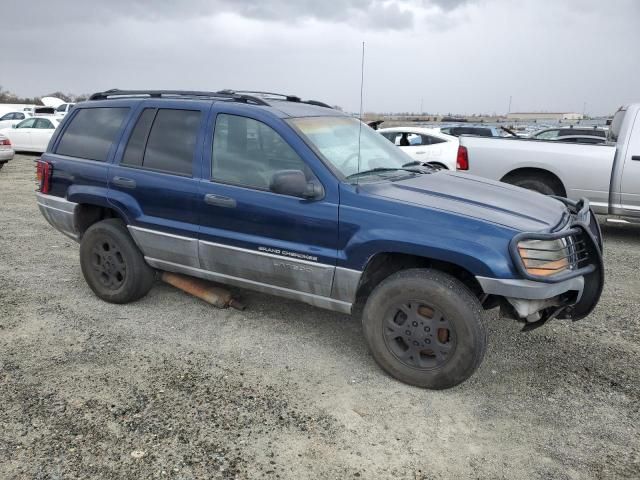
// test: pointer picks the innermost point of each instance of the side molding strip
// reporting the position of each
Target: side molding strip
(166, 246)
(316, 300)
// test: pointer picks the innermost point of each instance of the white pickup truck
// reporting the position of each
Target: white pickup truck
(608, 175)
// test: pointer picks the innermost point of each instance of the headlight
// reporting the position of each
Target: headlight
(544, 257)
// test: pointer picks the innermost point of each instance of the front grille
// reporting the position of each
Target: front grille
(577, 250)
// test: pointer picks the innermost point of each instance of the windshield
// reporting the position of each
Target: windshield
(336, 139)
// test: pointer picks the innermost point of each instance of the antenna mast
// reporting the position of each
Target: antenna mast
(361, 92)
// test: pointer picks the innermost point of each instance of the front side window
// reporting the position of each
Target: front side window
(92, 132)
(28, 123)
(351, 148)
(8, 116)
(247, 152)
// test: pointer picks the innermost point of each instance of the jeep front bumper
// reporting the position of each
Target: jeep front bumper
(573, 293)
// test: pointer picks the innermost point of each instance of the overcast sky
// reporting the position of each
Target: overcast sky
(460, 56)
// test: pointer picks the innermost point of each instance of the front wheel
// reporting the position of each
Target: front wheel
(112, 265)
(425, 328)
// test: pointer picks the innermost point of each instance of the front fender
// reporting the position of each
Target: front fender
(477, 258)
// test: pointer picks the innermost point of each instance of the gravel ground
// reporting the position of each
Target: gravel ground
(170, 387)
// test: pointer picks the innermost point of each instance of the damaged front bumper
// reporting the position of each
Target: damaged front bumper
(573, 293)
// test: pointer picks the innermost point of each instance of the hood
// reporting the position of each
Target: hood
(476, 197)
(51, 102)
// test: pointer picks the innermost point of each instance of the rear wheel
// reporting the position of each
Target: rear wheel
(540, 185)
(112, 265)
(425, 328)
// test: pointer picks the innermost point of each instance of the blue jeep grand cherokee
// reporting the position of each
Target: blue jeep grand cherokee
(297, 199)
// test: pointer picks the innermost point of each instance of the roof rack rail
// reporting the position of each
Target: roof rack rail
(226, 95)
(288, 98)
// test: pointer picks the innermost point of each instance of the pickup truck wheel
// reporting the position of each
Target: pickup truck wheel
(535, 184)
(425, 328)
(112, 264)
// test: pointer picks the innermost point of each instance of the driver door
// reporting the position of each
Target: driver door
(21, 135)
(250, 234)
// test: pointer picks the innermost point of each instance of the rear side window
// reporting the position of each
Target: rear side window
(616, 125)
(135, 148)
(43, 123)
(434, 140)
(164, 140)
(91, 133)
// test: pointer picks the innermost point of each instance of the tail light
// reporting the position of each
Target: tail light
(43, 176)
(5, 142)
(462, 160)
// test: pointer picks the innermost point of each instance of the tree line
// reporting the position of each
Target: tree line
(9, 97)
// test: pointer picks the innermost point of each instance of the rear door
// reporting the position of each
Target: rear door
(252, 235)
(154, 180)
(41, 134)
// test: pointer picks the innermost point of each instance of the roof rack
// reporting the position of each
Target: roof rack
(288, 98)
(243, 96)
(224, 95)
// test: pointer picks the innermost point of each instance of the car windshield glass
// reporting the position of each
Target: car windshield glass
(342, 141)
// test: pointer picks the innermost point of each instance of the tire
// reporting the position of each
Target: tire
(448, 332)
(536, 184)
(438, 166)
(112, 264)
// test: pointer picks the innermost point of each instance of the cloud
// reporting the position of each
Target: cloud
(459, 56)
(368, 14)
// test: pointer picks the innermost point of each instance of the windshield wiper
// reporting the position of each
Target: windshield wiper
(377, 170)
(418, 163)
(412, 164)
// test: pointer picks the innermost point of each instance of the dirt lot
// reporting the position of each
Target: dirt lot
(170, 387)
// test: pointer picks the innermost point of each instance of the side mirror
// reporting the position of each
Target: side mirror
(15, 125)
(294, 183)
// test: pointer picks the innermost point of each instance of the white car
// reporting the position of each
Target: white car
(425, 145)
(10, 119)
(6, 150)
(63, 109)
(32, 134)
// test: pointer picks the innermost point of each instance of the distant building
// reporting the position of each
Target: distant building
(544, 116)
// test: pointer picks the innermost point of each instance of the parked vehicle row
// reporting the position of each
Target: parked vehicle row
(297, 199)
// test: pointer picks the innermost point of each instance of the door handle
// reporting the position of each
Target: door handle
(219, 201)
(636, 157)
(421, 152)
(124, 182)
